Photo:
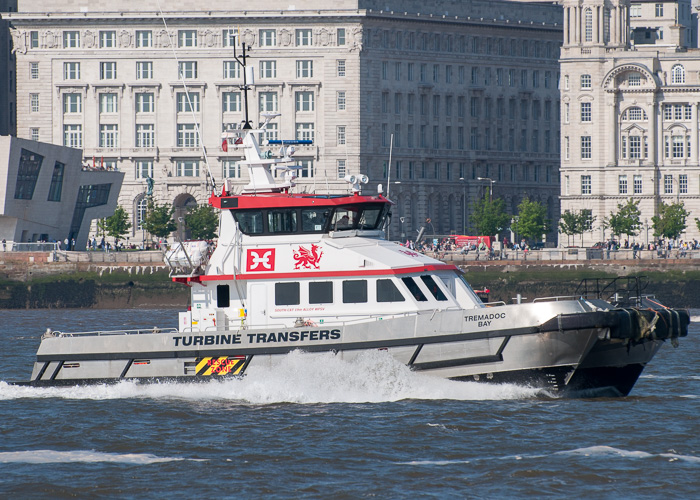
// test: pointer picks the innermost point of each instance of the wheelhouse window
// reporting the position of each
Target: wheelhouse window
(354, 291)
(223, 296)
(287, 294)
(313, 220)
(321, 292)
(387, 291)
(250, 222)
(414, 289)
(433, 287)
(282, 221)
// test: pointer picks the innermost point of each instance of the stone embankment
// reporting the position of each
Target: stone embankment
(140, 279)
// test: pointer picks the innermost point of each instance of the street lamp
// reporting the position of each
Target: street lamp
(492, 182)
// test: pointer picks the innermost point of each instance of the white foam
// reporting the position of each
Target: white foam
(298, 378)
(609, 451)
(694, 319)
(85, 456)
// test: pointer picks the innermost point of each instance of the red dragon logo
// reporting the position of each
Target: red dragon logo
(308, 259)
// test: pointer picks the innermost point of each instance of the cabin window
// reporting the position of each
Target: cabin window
(414, 289)
(388, 292)
(344, 218)
(286, 294)
(313, 220)
(433, 287)
(282, 221)
(354, 291)
(370, 218)
(250, 222)
(223, 296)
(321, 292)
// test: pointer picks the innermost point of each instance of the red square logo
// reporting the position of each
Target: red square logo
(260, 260)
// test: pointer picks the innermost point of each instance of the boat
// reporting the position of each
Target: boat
(314, 272)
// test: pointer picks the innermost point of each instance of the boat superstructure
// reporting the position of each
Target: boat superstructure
(315, 272)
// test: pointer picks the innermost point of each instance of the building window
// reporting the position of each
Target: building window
(307, 168)
(187, 102)
(231, 102)
(145, 102)
(304, 37)
(678, 74)
(144, 39)
(108, 70)
(141, 209)
(187, 136)
(232, 70)
(27, 174)
(585, 111)
(634, 79)
(340, 67)
(109, 136)
(585, 184)
(268, 38)
(340, 100)
(340, 135)
(622, 184)
(588, 19)
(56, 182)
(683, 183)
(340, 36)
(232, 169)
(304, 101)
(72, 103)
(271, 132)
(586, 147)
(187, 70)
(34, 71)
(144, 70)
(71, 39)
(187, 168)
(73, 136)
(34, 133)
(305, 132)
(228, 37)
(34, 103)
(637, 184)
(33, 39)
(586, 82)
(145, 135)
(108, 39)
(636, 10)
(144, 169)
(659, 10)
(187, 38)
(668, 184)
(341, 169)
(268, 102)
(305, 69)
(71, 71)
(109, 103)
(268, 69)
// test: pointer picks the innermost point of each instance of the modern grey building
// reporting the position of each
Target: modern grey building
(46, 194)
(462, 96)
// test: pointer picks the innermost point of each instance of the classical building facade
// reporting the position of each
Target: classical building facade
(462, 96)
(630, 110)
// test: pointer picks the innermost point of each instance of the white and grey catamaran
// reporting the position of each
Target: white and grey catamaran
(314, 272)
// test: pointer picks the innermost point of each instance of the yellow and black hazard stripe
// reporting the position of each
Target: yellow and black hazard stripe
(221, 365)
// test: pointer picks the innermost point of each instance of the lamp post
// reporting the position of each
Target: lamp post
(464, 204)
(492, 182)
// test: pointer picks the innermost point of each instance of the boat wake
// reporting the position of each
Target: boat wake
(81, 456)
(298, 377)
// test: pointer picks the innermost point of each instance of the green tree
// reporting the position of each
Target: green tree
(626, 220)
(489, 217)
(117, 224)
(159, 220)
(670, 221)
(532, 221)
(573, 223)
(202, 221)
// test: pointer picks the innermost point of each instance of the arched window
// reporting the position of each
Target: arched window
(634, 114)
(140, 213)
(606, 25)
(588, 15)
(678, 74)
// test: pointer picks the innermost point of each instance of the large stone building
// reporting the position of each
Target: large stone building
(465, 92)
(630, 110)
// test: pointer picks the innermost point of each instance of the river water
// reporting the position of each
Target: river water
(318, 427)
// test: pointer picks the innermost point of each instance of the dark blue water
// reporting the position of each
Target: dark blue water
(317, 427)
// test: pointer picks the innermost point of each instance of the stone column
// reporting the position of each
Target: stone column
(694, 135)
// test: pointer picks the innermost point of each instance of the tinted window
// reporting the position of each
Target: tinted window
(413, 288)
(321, 292)
(387, 292)
(313, 220)
(250, 222)
(286, 294)
(370, 218)
(222, 296)
(354, 291)
(344, 218)
(282, 221)
(433, 287)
